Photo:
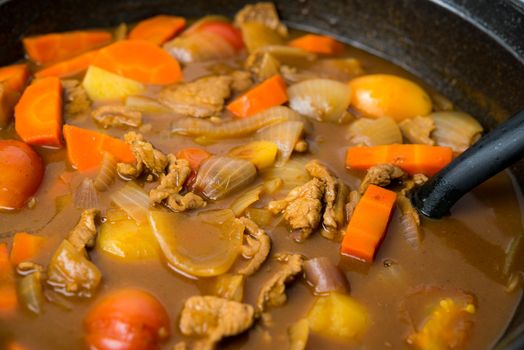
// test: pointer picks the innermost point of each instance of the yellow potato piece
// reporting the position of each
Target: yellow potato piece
(103, 85)
(383, 95)
(260, 153)
(122, 237)
(338, 316)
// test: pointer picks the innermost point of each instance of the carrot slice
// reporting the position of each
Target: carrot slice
(38, 114)
(85, 148)
(14, 76)
(271, 92)
(195, 156)
(317, 44)
(8, 297)
(158, 29)
(25, 247)
(59, 46)
(139, 60)
(69, 67)
(368, 223)
(411, 158)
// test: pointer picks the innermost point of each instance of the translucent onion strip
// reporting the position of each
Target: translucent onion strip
(145, 104)
(234, 128)
(133, 200)
(242, 202)
(219, 176)
(456, 130)
(85, 196)
(374, 132)
(107, 173)
(285, 135)
(321, 99)
(31, 292)
(293, 173)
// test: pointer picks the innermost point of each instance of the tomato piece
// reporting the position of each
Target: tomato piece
(225, 30)
(22, 171)
(128, 319)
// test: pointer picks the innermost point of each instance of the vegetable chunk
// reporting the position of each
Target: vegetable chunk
(139, 60)
(39, 113)
(338, 316)
(103, 85)
(368, 223)
(383, 95)
(85, 148)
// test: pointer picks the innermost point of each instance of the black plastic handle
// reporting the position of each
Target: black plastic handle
(493, 153)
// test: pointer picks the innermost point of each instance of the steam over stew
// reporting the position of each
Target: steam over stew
(176, 184)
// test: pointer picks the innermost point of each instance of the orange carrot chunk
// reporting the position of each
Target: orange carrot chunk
(38, 114)
(139, 60)
(25, 247)
(69, 67)
(271, 92)
(14, 76)
(368, 223)
(8, 297)
(195, 156)
(60, 46)
(85, 148)
(317, 44)
(413, 159)
(158, 29)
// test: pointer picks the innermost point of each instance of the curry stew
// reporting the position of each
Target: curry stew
(177, 184)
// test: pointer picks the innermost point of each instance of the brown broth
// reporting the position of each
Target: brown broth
(464, 251)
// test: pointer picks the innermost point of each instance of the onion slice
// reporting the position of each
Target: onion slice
(242, 202)
(374, 132)
(456, 130)
(324, 276)
(235, 128)
(107, 173)
(320, 99)
(203, 245)
(285, 135)
(133, 200)
(85, 196)
(219, 176)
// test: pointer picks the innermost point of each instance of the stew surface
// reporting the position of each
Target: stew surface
(237, 184)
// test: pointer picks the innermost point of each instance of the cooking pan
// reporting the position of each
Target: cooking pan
(470, 50)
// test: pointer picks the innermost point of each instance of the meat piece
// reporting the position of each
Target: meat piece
(354, 197)
(110, 116)
(201, 98)
(339, 211)
(241, 80)
(75, 97)
(214, 318)
(273, 293)
(420, 179)
(83, 235)
(172, 183)
(418, 129)
(148, 159)
(302, 207)
(330, 193)
(180, 346)
(257, 248)
(188, 201)
(381, 175)
(262, 12)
